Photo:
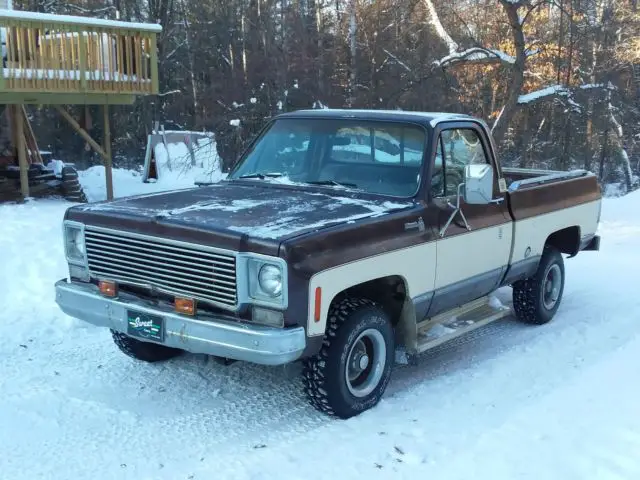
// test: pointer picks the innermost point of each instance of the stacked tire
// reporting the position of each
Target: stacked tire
(71, 188)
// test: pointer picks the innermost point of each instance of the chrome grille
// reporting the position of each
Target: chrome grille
(176, 268)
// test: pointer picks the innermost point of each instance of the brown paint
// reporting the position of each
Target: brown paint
(527, 202)
(314, 250)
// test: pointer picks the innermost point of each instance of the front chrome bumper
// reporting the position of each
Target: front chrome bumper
(218, 336)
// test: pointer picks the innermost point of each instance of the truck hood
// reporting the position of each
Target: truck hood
(236, 212)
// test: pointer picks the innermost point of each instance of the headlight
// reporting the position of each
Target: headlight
(266, 281)
(74, 243)
(270, 280)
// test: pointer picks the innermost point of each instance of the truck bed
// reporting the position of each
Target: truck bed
(522, 178)
(538, 192)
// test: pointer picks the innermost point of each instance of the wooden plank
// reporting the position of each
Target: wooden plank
(12, 122)
(2, 84)
(66, 98)
(31, 49)
(31, 138)
(81, 131)
(154, 65)
(57, 34)
(21, 51)
(138, 51)
(107, 149)
(119, 57)
(22, 153)
(83, 61)
(84, 23)
(129, 55)
(41, 58)
(10, 58)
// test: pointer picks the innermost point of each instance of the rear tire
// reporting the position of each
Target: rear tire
(536, 299)
(351, 372)
(145, 351)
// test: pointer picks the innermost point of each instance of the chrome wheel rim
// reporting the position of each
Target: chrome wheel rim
(551, 287)
(365, 363)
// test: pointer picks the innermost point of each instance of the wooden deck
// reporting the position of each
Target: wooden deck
(60, 59)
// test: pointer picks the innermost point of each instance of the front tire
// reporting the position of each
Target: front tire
(351, 372)
(536, 299)
(145, 351)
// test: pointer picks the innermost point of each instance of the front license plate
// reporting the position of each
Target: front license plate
(142, 325)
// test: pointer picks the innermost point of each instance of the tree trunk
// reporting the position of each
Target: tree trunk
(192, 76)
(603, 154)
(517, 81)
(320, 46)
(243, 29)
(353, 30)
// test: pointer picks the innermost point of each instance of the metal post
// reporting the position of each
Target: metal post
(22, 150)
(107, 151)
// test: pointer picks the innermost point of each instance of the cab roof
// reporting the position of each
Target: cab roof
(425, 118)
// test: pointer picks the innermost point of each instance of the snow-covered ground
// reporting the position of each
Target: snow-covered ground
(506, 402)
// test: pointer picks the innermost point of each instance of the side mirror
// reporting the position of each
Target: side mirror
(478, 184)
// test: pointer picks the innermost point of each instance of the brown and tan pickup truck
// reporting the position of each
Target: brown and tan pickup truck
(340, 236)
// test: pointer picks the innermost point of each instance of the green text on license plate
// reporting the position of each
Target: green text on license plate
(143, 325)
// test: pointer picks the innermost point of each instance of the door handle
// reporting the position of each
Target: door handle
(417, 225)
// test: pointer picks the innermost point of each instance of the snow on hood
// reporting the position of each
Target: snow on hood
(258, 211)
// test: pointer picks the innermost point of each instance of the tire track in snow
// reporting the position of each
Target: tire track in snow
(493, 397)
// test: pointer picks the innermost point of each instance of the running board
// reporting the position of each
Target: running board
(458, 321)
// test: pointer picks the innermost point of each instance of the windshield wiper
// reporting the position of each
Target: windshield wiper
(262, 176)
(333, 182)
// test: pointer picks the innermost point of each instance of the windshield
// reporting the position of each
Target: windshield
(375, 157)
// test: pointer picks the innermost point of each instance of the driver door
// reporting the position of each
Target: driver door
(473, 249)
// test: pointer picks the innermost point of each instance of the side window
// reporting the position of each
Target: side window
(461, 147)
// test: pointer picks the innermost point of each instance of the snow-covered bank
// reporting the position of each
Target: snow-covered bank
(129, 182)
(176, 169)
(507, 402)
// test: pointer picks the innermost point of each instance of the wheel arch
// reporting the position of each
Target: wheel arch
(391, 292)
(566, 240)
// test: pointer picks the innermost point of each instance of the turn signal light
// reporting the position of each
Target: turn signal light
(187, 306)
(317, 305)
(108, 289)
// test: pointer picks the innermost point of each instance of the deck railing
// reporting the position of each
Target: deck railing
(66, 54)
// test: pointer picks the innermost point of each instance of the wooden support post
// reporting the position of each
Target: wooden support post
(22, 150)
(105, 152)
(107, 149)
(76, 126)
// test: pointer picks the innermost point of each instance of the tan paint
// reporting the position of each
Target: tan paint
(479, 251)
(534, 231)
(455, 258)
(416, 265)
